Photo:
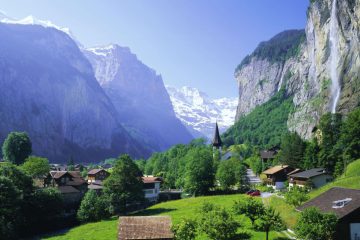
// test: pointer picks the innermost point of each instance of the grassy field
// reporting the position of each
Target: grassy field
(287, 212)
(179, 209)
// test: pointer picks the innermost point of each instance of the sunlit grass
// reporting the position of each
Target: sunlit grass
(177, 210)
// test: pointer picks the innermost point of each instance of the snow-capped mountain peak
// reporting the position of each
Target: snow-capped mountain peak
(199, 112)
(102, 50)
(31, 20)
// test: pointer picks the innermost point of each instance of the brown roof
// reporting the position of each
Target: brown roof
(76, 182)
(151, 227)
(275, 169)
(57, 174)
(151, 179)
(67, 189)
(95, 171)
(75, 174)
(325, 201)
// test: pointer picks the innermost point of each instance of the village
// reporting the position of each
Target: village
(75, 182)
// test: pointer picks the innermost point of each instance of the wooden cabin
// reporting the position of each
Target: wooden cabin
(313, 178)
(97, 175)
(277, 176)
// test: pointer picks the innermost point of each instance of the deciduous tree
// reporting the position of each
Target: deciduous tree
(9, 208)
(219, 224)
(313, 224)
(200, 173)
(250, 207)
(124, 185)
(270, 220)
(17, 147)
(36, 166)
(93, 208)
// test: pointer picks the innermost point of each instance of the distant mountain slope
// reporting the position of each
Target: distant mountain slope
(199, 113)
(139, 96)
(49, 91)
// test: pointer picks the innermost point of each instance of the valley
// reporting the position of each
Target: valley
(96, 144)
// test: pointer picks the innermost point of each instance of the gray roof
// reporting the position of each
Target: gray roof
(268, 154)
(227, 155)
(310, 173)
(325, 201)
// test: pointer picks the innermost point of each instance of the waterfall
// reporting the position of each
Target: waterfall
(334, 58)
(312, 56)
(281, 81)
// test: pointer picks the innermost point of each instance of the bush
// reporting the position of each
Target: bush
(218, 224)
(296, 196)
(185, 230)
(93, 208)
(313, 224)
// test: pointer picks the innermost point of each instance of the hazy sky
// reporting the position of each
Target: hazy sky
(195, 43)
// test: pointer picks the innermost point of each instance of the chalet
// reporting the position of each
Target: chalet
(142, 228)
(345, 204)
(67, 180)
(97, 175)
(151, 188)
(276, 176)
(313, 178)
(268, 154)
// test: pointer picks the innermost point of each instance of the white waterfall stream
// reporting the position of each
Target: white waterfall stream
(334, 58)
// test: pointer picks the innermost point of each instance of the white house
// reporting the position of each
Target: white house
(151, 188)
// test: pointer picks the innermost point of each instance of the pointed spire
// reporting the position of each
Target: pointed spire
(217, 140)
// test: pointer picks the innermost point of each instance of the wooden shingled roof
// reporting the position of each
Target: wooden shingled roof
(145, 227)
(275, 169)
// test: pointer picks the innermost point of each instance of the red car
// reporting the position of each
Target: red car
(253, 193)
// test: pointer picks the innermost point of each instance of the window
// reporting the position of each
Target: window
(341, 203)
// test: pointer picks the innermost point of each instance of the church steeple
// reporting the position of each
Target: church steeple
(217, 143)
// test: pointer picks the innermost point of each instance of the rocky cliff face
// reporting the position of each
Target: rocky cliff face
(320, 69)
(139, 95)
(49, 90)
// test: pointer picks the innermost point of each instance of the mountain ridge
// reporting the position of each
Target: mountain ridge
(199, 112)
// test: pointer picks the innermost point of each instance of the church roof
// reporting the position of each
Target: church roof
(217, 140)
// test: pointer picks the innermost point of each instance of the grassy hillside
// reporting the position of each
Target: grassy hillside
(264, 126)
(107, 230)
(350, 179)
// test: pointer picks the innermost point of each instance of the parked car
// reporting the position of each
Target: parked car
(253, 192)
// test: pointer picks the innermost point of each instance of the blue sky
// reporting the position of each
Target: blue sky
(195, 43)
